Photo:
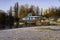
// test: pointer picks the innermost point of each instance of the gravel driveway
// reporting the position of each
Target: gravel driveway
(30, 33)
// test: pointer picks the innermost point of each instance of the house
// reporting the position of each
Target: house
(30, 20)
(30, 17)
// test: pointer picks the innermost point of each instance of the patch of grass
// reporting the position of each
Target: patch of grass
(20, 38)
(46, 38)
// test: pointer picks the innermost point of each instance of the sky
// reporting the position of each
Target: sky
(5, 4)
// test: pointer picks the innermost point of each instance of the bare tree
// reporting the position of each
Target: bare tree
(31, 10)
(22, 12)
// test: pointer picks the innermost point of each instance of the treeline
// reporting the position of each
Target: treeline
(53, 13)
(14, 14)
(18, 12)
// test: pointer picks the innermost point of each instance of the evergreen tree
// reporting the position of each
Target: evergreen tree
(37, 10)
(16, 8)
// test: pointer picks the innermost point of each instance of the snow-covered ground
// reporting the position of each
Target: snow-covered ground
(31, 33)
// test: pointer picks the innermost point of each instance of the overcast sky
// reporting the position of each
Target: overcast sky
(5, 4)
